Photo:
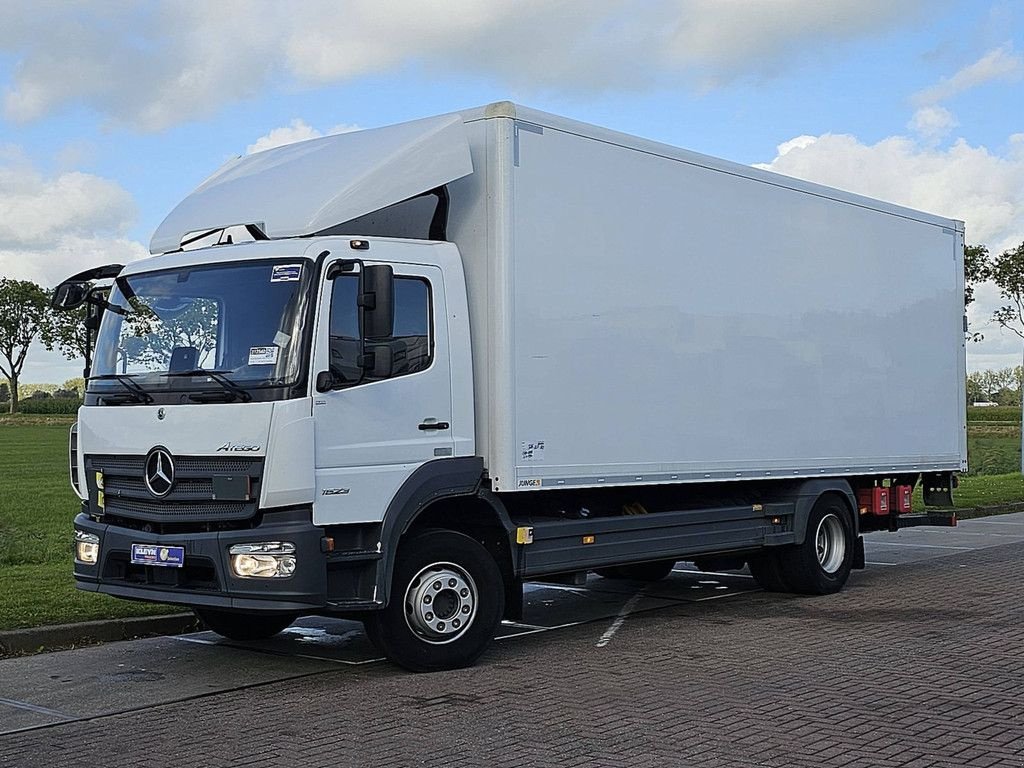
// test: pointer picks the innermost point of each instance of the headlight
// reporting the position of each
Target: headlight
(87, 548)
(263, 560)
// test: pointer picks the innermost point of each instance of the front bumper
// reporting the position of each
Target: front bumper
(206, 578)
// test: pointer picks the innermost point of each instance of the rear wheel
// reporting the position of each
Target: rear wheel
(766, 569)
(650, 572)
(243, 626)
(822, 563)
(447, 599)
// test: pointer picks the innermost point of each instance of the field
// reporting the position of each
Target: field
(37, 507)
(36, 510)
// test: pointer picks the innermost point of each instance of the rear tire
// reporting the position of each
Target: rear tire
(243, 626)
(447, 599)
(766, 569)
(649, 572)
(821, 564)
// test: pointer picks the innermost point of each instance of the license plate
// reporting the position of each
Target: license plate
(158, 554)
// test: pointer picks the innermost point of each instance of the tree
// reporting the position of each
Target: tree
(1007, 272)
(24, 313)
(66, 332)
(76, 385)
(977, 269)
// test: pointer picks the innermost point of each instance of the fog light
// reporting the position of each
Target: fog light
(87, 548)
(263, 560)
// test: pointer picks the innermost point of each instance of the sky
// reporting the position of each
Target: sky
(111, 112)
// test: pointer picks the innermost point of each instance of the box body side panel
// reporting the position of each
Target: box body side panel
(672, 322)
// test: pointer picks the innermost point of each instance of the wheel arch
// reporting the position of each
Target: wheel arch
(448, 494)
(806, 494)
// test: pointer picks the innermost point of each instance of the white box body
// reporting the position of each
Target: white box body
(644, 314)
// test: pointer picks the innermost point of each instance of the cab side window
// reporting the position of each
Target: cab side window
(407, 350)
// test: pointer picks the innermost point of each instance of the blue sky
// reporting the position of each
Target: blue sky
(113, 111)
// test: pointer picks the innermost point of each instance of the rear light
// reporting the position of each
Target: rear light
(873, 501)
(901, 496)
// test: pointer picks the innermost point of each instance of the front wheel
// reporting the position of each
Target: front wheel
(447, 599)
(822, 563)
(243, 626)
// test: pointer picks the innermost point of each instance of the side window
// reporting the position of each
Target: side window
(407, 350)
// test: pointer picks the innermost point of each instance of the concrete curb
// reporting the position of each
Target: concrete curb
(54, 637)
(969, 513)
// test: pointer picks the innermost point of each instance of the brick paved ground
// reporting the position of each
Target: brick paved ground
(918, 665)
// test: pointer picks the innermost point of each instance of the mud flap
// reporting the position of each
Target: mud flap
(938, 489)
(858, 554)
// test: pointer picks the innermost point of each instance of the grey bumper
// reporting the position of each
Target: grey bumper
(206, 578)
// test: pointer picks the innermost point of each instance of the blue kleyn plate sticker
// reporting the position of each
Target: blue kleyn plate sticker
(156, 554)
(263, 355)
(285, 273)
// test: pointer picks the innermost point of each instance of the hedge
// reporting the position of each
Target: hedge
(49, 405)
(1005, 413)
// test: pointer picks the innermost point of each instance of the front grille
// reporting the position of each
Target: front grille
(191, 498)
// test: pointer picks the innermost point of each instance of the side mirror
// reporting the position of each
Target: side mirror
(378, 301)
(69, 295)
(324, 381)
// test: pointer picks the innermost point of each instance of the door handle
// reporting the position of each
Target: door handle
(434, 425)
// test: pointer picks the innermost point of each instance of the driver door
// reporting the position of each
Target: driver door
(373, 431)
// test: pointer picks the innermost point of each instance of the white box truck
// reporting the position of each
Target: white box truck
(396, 373)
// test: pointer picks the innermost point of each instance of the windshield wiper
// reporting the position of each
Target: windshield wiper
(227, 384)
(135, 393)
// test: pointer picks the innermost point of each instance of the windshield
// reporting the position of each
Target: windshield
(243, 321)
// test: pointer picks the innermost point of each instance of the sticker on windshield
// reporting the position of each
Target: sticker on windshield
(263, 355)
(285, 273)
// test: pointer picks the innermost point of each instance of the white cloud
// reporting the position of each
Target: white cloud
(55, 226)
(157, 64)
(998, 64)
(297, 130)
(983, 188)
(932, 123)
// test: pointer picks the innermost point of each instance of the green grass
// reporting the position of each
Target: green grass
(37, 507)
(989, 490)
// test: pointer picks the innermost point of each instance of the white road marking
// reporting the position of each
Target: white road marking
(620, 619)
(543, 629)
(562, 587)
(712, 573)
(727, 594)
(275, 652)
(922, 546)
(979, 521)
(36, 708)
(957, 531)
(868, 562)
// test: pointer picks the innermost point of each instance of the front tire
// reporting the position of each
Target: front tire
(243, 626)
(821, 564)
(447, 599)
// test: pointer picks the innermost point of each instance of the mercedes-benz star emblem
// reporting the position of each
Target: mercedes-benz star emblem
(159, 472)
